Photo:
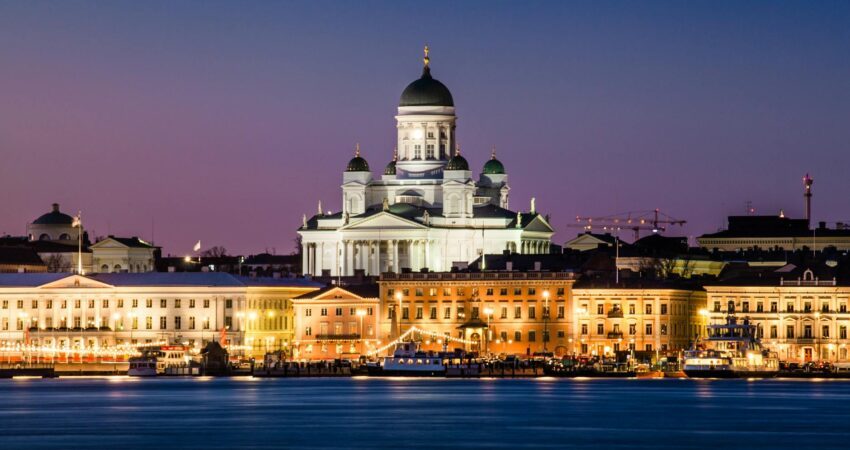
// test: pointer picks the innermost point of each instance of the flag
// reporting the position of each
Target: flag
(197, 246)
(78, 220)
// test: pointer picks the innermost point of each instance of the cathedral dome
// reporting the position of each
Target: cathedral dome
(357, 164)
(493, 166)
(390, 169)
(54, 218)
(457, 163)
(426, 91)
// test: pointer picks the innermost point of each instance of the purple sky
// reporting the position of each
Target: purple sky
(226, 121)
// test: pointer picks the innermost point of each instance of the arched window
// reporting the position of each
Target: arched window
(104, 268)
(117, 268)
(64, 237)
(44, 237)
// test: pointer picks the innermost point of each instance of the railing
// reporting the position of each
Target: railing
(425, 276)
(801, 282)
(615, 314)
(338, 337)
(615, 335)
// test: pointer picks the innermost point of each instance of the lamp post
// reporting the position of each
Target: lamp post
(488, 311)
(24, 318)
(545, 319)
(704, 313)
(361, 313)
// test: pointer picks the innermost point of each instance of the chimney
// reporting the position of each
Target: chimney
(171, 269)
(537, 266)
(509, 266)
(56, 207)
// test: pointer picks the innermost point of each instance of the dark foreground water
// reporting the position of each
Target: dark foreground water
(396, 413)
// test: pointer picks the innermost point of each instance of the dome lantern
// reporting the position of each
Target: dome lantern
(357, 164)
(457, 162)
(426, 91)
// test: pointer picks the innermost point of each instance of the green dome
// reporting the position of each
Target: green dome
(426, 91)
(357, 164)
(457, 163)
(390, 169)
(494, 167)
(54, 217)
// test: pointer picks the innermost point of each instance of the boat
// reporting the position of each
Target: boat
(158, 360)
(408, 360)
(571, 367)
(731, 350)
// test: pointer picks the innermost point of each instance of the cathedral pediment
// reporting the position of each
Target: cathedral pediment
(538, 223)
(384, 220)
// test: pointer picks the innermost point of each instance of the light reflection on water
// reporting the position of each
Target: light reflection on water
(217, 413)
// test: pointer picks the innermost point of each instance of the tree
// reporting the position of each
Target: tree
(56, 263)
(214, 252)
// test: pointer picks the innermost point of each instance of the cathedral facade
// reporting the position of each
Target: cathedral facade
(426, 211)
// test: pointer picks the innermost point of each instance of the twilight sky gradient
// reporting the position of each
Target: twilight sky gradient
(225, 121)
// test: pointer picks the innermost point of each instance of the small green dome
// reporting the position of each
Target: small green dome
(390, 169)
(457, 163)
(494, 167)
(357, 164)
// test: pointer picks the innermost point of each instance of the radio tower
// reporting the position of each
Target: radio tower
(807, 183)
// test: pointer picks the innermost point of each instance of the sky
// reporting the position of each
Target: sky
(226, 121)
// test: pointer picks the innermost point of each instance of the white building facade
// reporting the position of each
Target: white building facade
(426, 210)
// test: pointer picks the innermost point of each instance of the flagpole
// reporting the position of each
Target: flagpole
(80, 243)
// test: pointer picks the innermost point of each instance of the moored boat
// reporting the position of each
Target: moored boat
(731, 350)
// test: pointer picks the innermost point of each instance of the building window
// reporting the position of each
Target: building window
(308, 331)
(532, 313)
(432, 292)
(474, 312)
(774, 332)
(433, 314)
(716, 306)
(774, 307)
(418, 313)
(517, 312)
(370, 311)
(177, 322)
(504, 314)
(405, 313)
(503, 291)
(206, 303)
(518, 336)
(163, 323)
(789, 307)
(418, 292)
(447, 292)
(631, 308)
(584, 329)
(429, 151)
(842, 332)
(789, 332)
(561, 334)
(807, 332)
(759, 307)
(447, 312)
(324, 312)
(338, 311)
(664, 329)
(417, 151)
(648, 347)
(600, 329)
(517, 291)
(532, 291)
(532, 336)
(632, 329)
(560, 311)
(460, 313)
(149, 323)
(649, 308)
(648, 329)
(663, 308)
(825, 331)
(176, 303)
(489, 291)
(192, 323)
(308, 312)
(135, 323)
(600, 309)
(228, 303)
(390, 293)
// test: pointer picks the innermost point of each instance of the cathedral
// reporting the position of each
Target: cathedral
(425, 211)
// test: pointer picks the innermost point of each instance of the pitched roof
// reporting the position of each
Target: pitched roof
(360, 290)
(20, 256)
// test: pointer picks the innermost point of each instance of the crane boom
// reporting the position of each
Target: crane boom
(636, 221)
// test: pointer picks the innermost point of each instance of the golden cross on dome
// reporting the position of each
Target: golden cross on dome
(426, 59)
(357, 149)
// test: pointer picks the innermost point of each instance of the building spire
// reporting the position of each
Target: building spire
(426, 59)
(493, 153)
(357, 150)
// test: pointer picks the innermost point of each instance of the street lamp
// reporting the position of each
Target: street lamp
(361, 313)
(488, 311)
(23, 317)
(545, 319)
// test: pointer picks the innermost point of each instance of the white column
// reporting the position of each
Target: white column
(396, 262)
(428, 254)
(320, 256)
(305, 258)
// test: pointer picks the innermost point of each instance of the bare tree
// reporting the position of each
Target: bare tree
(56, 263)
(297, 241)
(214, 252)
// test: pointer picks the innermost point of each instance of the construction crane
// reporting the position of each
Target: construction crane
(636, 221)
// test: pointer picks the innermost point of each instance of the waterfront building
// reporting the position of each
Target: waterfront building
(509, 312)
(640, 315)
(426, 210)
(801, 311)
(337, 322)
(64, 313)
(117, 254)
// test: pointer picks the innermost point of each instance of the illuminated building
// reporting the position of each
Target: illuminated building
(801, 311)
(637, 315)
(85, 313)
(337, 322)
(426, 211)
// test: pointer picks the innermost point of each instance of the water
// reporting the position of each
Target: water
(233, 413)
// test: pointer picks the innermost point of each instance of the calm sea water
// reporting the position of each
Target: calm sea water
(404, 413)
